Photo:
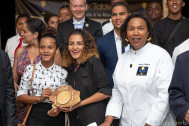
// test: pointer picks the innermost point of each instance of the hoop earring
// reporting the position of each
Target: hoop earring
(126, 39)
(148, 39)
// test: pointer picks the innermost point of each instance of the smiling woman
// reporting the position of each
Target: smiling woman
(47, 77)
(87, 75)
(141, 79)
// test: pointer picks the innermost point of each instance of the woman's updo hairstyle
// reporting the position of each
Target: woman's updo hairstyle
(49, 32)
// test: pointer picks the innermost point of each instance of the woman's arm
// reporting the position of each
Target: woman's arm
(16, 77)
(108, 121)
(35, 99)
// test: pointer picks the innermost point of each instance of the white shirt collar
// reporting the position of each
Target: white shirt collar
(49, 69)
(82, 21)
(116, 36)
(143, 49)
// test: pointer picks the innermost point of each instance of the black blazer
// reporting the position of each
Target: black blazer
(65, 28)
(7, 92)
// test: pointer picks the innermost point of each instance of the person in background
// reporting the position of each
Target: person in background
(7, 92)
(168, 31)
(154, 11)
(141, 79)
(110, 45)
(27, 55)
(47, 77)
(107, 26)
(16, 41)
(79, 21)
(87, 75)
(51, 20)
(65, 13)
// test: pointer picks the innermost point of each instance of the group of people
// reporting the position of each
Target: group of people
(123, 69)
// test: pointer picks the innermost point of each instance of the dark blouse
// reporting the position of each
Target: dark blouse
(89, 78)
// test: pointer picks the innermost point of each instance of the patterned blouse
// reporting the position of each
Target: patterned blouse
(51, 77)
(24, 61)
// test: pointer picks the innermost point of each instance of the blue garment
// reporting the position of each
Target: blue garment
(179, 87)
(108, 53)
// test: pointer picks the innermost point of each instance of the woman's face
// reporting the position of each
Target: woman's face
(27, 35)
(47, 49)
(64, 15)
(137, 33)
(53, 22)
(76, 46)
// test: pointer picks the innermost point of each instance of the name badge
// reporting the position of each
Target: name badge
(142, 71)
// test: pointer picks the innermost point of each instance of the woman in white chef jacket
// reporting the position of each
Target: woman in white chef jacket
(141, 79)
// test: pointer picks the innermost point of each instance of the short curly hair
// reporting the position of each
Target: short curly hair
(90, 48)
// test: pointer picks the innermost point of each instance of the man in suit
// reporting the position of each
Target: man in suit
(110, 46)
(79, 20)
(7, 92)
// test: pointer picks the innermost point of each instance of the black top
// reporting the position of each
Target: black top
(164, 28)
(90, 78)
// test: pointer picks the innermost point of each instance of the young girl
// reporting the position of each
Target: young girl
(47, 77)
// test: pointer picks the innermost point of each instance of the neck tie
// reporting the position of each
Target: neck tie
(19, 45)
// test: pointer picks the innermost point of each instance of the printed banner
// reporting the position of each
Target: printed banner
(97, 10)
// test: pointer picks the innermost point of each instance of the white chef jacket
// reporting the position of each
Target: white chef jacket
(140, 93)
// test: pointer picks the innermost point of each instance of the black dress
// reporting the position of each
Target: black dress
(89, 78)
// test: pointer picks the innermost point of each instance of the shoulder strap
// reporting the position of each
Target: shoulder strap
(174, 30)
(32, 78)
(28, 112)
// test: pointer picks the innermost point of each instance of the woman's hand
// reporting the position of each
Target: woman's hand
(69, 109)
(46, 93)
(53, 112)
(147, 124)
(106, 123)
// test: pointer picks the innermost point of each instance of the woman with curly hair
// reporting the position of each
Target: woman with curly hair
(87, 75)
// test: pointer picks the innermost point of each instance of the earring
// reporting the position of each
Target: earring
(148, 39)
(126, 39)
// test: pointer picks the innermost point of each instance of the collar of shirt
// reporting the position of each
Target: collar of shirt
(116, 36)
(79, 24)
(142, 50)
(18, 38)
(51, 68)
(118, 44)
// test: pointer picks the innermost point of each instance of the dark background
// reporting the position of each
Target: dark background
(7, 28)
